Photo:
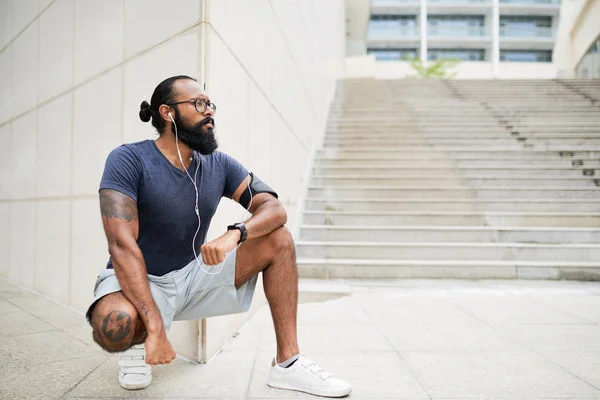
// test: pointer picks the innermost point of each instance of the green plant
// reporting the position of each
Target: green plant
(438, 69)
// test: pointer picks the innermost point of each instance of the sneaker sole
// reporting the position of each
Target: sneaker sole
(316, 392)
(135, 386)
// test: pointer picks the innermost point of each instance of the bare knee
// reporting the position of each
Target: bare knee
(114, 323)
(282, 242)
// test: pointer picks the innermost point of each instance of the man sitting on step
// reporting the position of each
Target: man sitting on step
(157, 198)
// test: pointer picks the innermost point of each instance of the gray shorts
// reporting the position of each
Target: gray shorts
(189, 293)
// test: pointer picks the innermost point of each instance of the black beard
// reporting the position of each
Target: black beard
(193, 137)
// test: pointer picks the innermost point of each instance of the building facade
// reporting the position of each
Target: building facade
(467, 30)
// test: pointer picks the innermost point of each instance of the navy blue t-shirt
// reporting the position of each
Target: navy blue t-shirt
(166, 199)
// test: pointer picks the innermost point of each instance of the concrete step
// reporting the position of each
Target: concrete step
(415, 132)
(455, 180)
(409, 171)
(373, 123)
(453, 130)
(408, 119)
(546, 115)
(491, 141)
(449, 269)
(422, 140)
(447, 218)
(409, 192)
(553, 143)
(382, 173)
(508, 140)
(522, 205)
(479, 163)
(427, 152)
(450, 251)
(520, 155)
(384, 107)
(435, 234)
(448, 117)
(566, 134)
(434, 119)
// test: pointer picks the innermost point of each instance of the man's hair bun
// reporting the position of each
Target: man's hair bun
(145, 112)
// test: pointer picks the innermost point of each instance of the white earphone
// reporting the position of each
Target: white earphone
(196, 207)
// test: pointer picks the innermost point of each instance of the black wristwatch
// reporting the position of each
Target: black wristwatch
(242, 228)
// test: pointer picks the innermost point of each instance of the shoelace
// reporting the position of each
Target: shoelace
(318, 371)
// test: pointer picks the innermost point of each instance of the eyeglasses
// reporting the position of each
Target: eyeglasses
(199, 104)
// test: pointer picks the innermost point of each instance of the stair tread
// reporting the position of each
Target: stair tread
(453, 200)
(453, 228)
(345, 261)
(449, 187)
(455, 176)
(447, 244)
(518, 213)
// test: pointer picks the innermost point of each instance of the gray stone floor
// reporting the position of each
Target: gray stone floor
(407, 339)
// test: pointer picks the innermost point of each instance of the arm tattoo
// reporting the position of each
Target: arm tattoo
(114, 204)
(116, 326)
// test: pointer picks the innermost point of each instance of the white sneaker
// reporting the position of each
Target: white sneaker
(306, 376)
(134, 373)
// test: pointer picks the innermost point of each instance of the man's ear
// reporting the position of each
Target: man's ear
(164, 111)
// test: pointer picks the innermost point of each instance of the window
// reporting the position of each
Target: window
(526, 55)
(392, 54)
(455, 25)
(460, 54)
(389, 26)
(455, 20)
(522, 26)
(517, 20)
(530, 1)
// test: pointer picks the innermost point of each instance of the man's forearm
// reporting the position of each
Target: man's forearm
(132, 276)
(268, 217)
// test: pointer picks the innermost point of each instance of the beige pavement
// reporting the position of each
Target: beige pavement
(396, 339)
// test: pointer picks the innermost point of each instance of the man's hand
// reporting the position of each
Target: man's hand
(214, 252)
(159, 349)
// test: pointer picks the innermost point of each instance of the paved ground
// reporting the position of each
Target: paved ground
(410, 339)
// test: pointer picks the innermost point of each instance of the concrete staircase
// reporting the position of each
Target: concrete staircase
(456, 179)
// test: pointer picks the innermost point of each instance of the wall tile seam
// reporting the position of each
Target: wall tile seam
(10, 207)
(71, 174)
(294, 61)
(99, 74)
(123, 56)
(34, 244)
(37, 122)
(316, 29)
(26, 27)
(49, 198)
(43, 296)
(260, 89)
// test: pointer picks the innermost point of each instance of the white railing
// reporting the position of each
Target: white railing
(461, 31)
(460, 2)
(535, 2)
(392, 32)
(394, 3)
(526, 32)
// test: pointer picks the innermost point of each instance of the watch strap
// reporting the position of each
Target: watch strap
(243, 231)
